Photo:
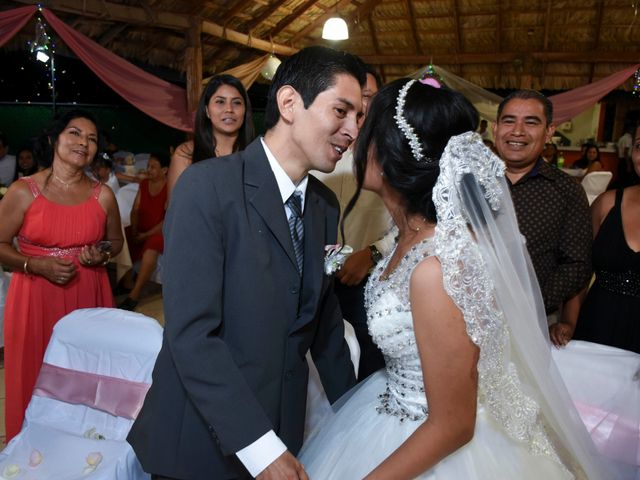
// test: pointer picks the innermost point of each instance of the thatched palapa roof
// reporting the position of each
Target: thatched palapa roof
(540, 44)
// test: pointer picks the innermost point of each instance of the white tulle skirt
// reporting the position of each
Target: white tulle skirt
(351, 443)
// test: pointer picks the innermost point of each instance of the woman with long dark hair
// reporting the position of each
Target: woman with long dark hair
(469, 389)
(67, 228)
(26, 163)
(223, 125)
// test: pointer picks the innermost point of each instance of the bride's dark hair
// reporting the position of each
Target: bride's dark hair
(436, 114)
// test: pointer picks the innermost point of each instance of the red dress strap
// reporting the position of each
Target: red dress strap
(33, 186)
(96, 190)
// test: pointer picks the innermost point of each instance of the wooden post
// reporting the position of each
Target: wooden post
(193, 63)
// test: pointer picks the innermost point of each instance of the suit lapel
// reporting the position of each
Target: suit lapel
(263, 194)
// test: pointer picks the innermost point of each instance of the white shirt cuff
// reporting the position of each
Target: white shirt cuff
(261, 453)
(385, 244)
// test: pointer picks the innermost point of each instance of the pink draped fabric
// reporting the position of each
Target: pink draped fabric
(616, 437)
(167, 103)
(12, 21)
(157, 98)
(119, 397)
(567, 105)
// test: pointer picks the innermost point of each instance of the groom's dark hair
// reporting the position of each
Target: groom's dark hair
(311, 71)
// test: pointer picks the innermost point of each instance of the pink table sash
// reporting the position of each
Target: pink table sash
(122, 398)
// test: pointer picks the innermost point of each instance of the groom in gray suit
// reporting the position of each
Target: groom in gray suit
(245, 293)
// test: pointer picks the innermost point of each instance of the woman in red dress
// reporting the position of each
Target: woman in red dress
(67, 227)
(145, 233)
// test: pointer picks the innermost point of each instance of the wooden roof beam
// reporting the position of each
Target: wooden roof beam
(237, 7)
(250, 42)
(110, 35)
(499, 40)
(412, 22)
(545, 42)
(596, 36)
(374, 36)
(171, 21)
(265, 15)
(365, 9)
(289, 19)
(456, 20)
(503, 57)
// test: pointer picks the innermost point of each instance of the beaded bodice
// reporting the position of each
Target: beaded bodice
(391, 327)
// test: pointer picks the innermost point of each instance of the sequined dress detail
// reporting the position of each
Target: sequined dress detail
(391, 327)
(383, 411)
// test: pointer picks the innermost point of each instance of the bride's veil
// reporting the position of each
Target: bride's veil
(488, 273)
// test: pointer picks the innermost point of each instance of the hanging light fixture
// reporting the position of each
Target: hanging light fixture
(44, 49)
(335, 28)
(40, 45)
(270, 67)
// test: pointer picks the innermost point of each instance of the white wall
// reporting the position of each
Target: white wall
(584, 126)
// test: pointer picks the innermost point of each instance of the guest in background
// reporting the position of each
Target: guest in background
(102, 169)
(144, 235)
(590, 159)
(550, 154)
(67, 227)
(7, 162)
(609, 314)
(223, 125)
(26, 162)
(490, 145)
(483, 130)
(551, 207)
(364, 231)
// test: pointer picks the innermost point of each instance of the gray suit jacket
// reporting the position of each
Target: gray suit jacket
(239, 320)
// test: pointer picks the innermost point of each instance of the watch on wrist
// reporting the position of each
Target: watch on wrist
(376, 256)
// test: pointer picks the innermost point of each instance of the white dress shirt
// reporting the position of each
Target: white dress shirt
(369, 220)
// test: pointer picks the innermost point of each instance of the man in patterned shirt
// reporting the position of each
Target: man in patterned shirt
(552, 208)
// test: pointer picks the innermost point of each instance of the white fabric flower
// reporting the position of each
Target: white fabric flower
(335, 256)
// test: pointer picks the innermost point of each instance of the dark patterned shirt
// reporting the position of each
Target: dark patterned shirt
(553, 215)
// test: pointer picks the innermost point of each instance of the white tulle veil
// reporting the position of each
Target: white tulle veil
(488, 274)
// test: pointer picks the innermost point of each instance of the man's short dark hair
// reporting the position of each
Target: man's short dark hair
(310, 72)
(529, 95)
(3, 139)
(372, 71)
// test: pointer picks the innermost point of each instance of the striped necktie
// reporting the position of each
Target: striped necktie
(294, 202)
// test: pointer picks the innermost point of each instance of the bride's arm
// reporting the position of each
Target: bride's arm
(449, 360)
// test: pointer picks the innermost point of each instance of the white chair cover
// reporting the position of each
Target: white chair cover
(595, 183)
(65, 441)
(126, 196)
(141, 160)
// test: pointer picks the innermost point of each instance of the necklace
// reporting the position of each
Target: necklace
(65, 184)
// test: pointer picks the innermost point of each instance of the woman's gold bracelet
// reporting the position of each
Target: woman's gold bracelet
(25, 266)
(106, 261)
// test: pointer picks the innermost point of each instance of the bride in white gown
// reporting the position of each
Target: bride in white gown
(469, 390)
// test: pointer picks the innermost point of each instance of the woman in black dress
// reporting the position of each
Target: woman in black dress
(609, 314)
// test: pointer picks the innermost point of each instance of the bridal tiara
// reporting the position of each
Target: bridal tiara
(406, 128)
